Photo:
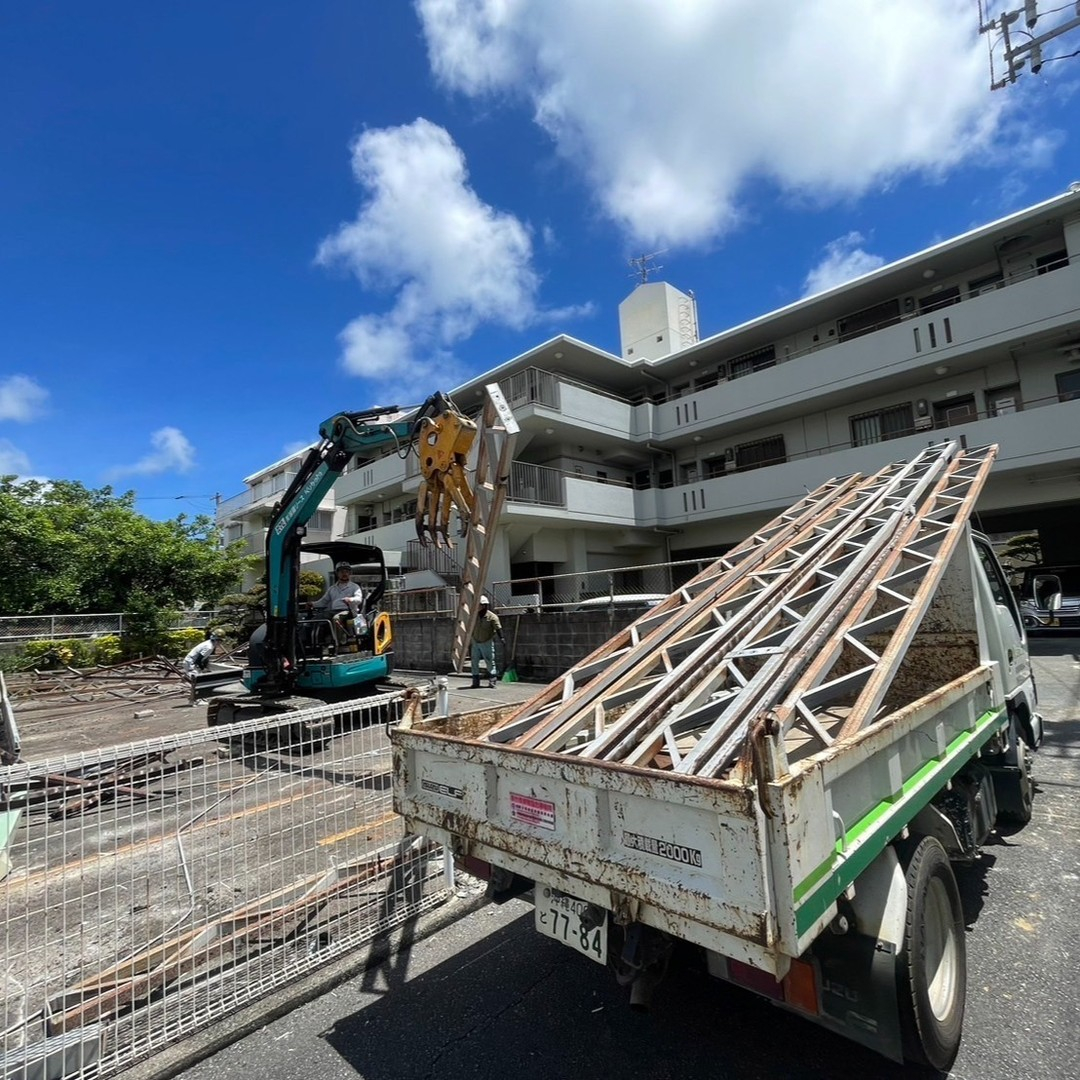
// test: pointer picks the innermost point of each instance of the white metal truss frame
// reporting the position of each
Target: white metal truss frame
(757, 637)
(498, 434)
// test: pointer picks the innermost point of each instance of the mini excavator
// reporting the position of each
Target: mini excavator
(297, 659)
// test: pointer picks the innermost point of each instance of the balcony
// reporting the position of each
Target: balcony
(366, 481)
(535, 484)
(1039, 438)
(545, 394)
(550, 493)
(258, 496)
(961, 335)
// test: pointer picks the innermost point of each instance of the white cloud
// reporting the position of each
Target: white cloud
(670, 110)
(171, 453)
(13, 462)
(21, 398)
(844, 261)
(452, 261)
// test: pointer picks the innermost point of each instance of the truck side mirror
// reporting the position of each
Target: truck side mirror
(1046, 587)
(1053, 602)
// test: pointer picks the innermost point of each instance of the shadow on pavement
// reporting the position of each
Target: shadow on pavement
(515, 1005)
(1054, 643)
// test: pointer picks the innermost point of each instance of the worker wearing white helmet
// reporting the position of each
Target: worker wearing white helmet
(488, 627)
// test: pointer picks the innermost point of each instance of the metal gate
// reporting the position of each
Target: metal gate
(154, 887)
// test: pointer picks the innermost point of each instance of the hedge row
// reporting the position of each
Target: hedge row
(104, 651)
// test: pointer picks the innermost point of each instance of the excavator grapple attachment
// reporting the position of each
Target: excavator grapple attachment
(443, 444)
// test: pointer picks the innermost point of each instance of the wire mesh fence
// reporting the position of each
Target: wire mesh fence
(151, 888)
(14, 628)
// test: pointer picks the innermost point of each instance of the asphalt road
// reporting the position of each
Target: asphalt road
(488, 997)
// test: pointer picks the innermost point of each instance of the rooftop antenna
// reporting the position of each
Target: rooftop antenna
(643, 267)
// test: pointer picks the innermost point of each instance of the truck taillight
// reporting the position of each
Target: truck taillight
(798, 988)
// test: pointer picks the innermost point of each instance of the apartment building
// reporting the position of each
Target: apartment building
(679, 447)
(245, 516)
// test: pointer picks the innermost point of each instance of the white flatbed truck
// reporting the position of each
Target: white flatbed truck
(778, 764)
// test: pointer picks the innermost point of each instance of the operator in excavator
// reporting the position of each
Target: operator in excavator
(343, 601)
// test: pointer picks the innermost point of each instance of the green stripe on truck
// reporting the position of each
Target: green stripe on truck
(872, 832)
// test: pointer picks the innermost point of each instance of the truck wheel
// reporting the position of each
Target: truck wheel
(932, 964)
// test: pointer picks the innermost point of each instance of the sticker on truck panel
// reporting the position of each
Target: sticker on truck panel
(665, 849)
(530, 811)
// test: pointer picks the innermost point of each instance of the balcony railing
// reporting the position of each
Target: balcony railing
(928, 306)
(533, 386)
(536, 484)
(257, 493)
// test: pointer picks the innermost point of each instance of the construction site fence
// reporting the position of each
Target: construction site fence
(152, 888)
(15, 628)
(555, 592)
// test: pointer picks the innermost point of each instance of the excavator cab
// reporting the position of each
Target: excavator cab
(323, 634)
(334, 654)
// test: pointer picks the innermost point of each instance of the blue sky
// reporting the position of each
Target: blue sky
(222, 223)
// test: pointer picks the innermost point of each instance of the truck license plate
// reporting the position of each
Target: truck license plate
(559, 916)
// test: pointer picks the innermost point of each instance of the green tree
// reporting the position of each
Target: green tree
(68, 548)
(242, 613)
(1020, 551)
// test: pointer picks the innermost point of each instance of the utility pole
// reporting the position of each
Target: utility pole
(1022, 45)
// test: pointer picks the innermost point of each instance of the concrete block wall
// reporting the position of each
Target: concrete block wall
(547, 642)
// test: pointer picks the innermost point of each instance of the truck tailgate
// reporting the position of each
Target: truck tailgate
(683, 854)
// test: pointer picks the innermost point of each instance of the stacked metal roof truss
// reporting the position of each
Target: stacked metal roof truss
(818, 608)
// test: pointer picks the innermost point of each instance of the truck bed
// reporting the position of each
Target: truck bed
(749, 870)
(725, 767)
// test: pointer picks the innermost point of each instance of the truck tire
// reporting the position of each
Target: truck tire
(932, 964)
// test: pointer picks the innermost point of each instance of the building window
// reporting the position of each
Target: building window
(1068, 385)
(940, 299)
(891, 423)
(322, 520)
(642, 479)
(985, 284)
(760, 453)
(665, 478)
(957, 410)
(714, 467)
(1004, 400)
(752, 361)
(1054, 261)
(868, 320)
